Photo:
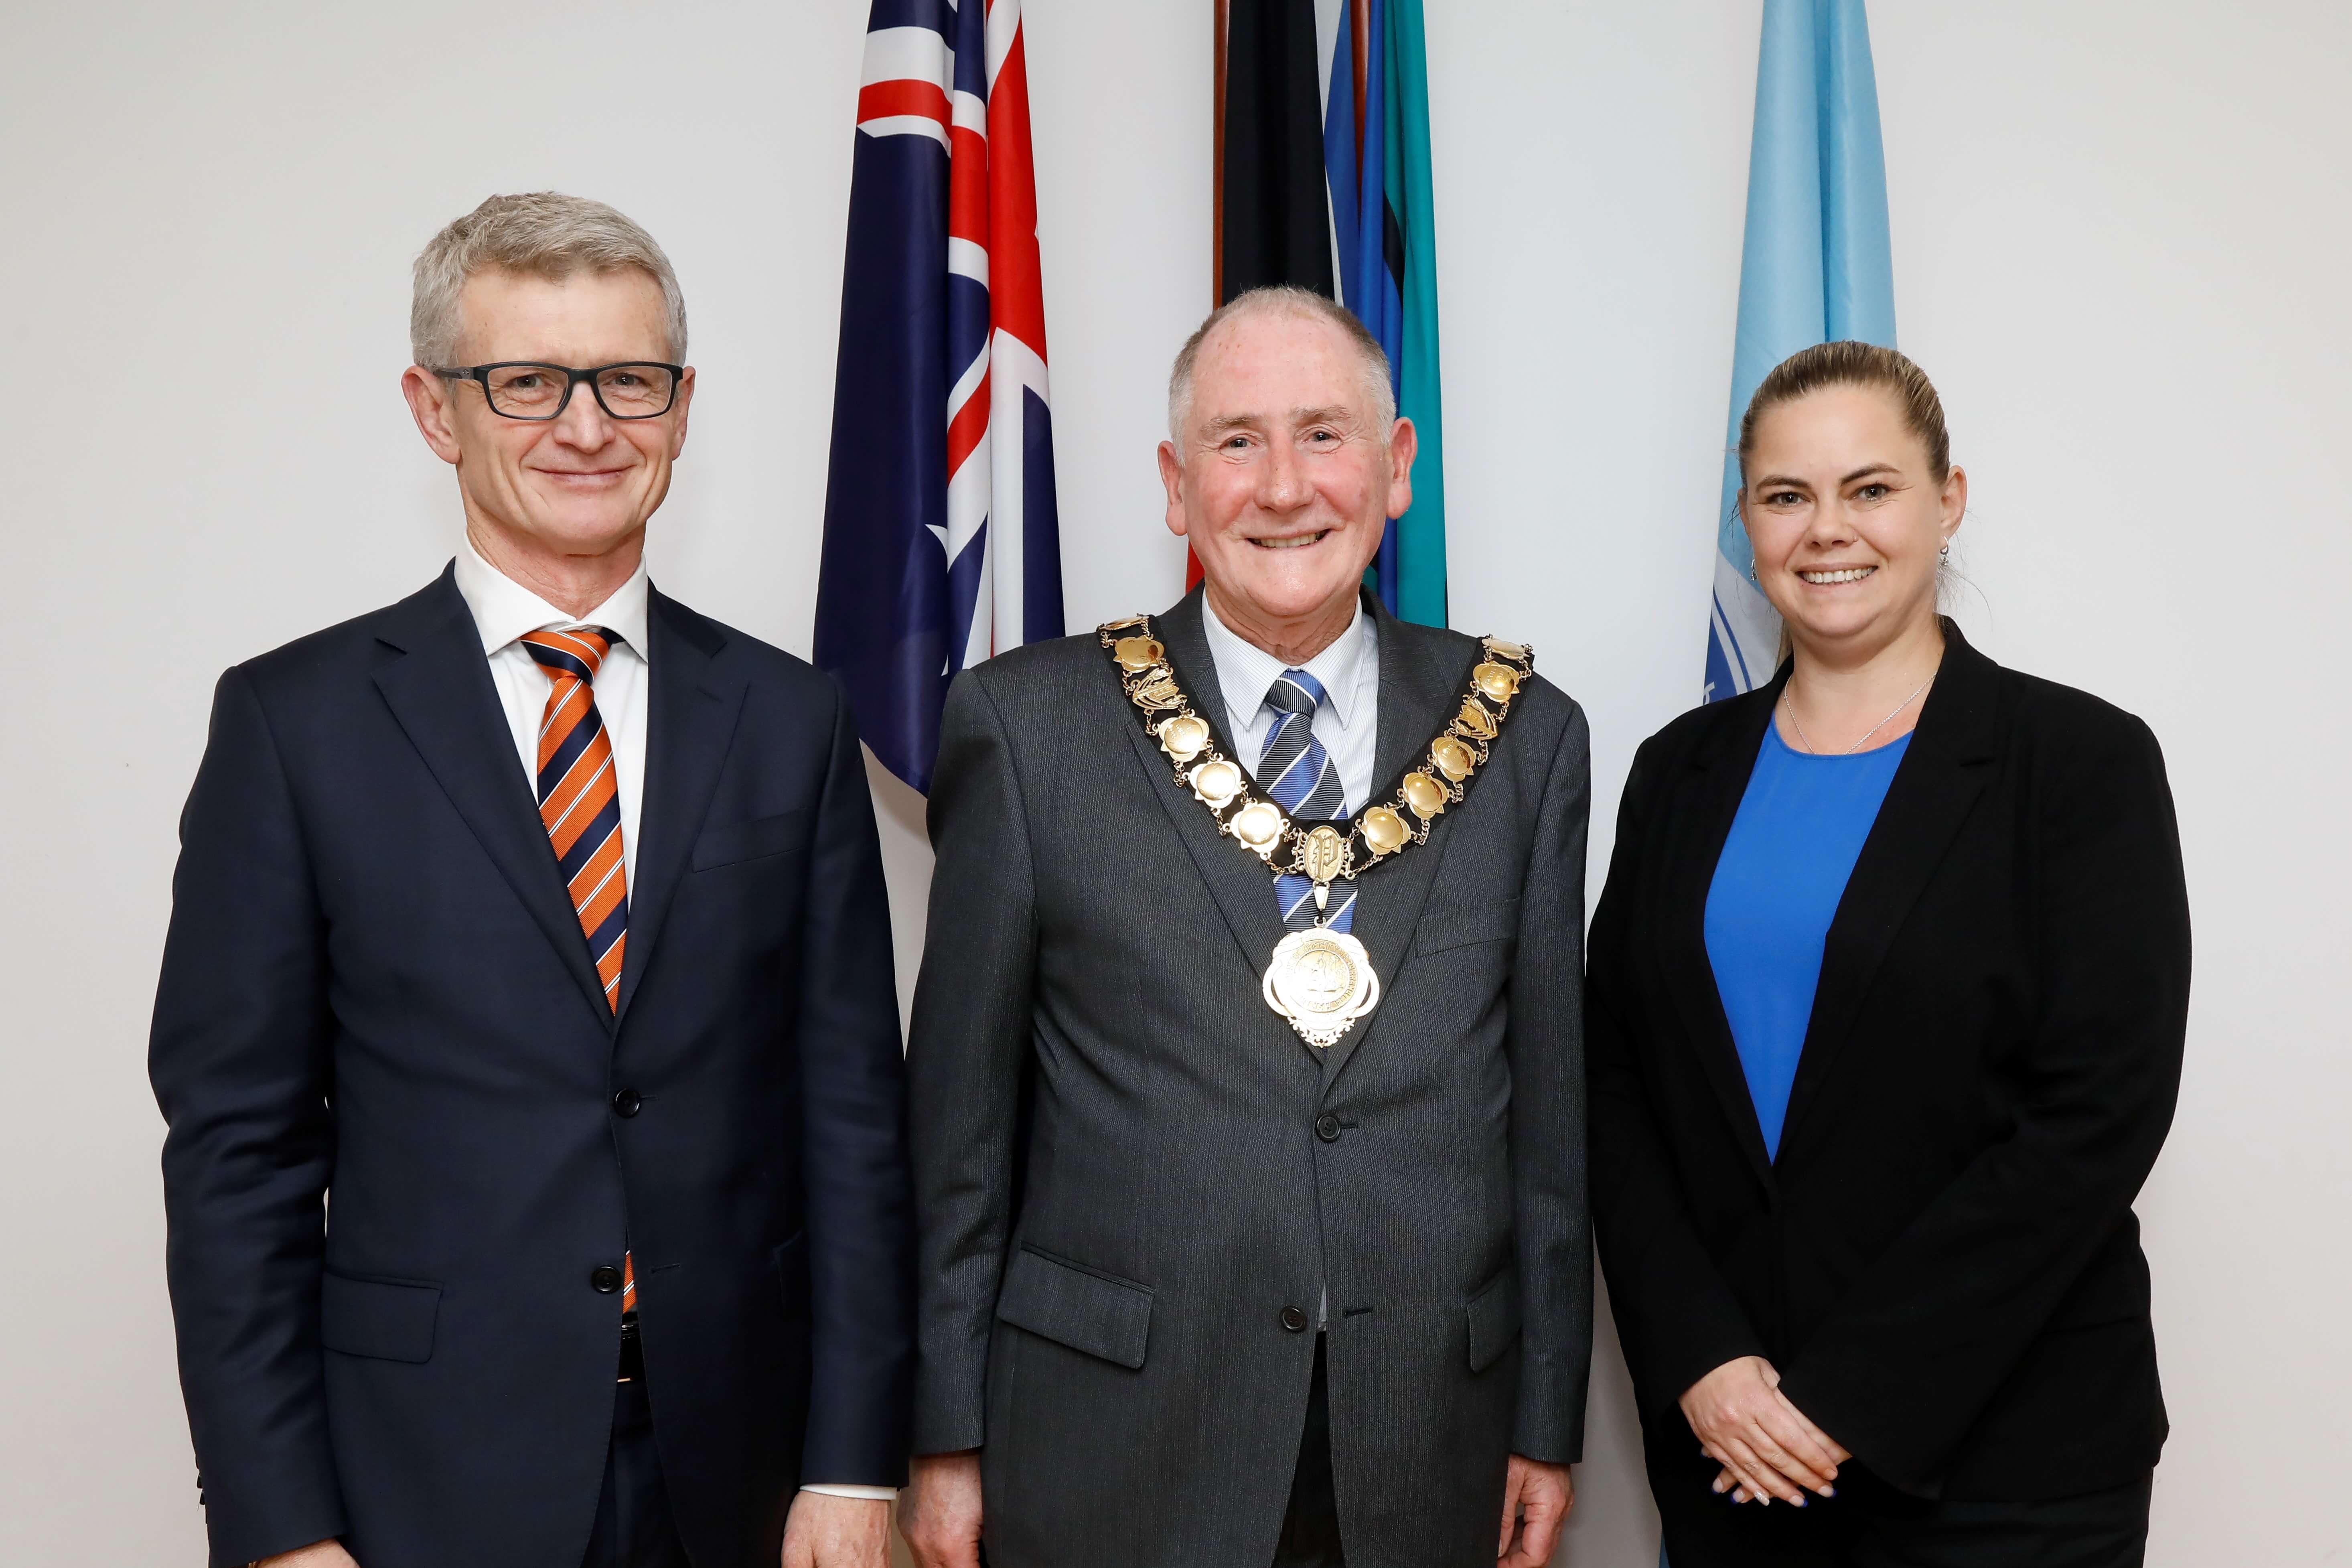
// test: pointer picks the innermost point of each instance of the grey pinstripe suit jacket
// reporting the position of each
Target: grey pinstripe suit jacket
(1119, 1173)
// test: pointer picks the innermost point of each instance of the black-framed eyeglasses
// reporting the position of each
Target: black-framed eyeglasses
(525, 389)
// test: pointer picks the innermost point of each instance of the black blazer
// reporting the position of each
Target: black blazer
(1943, 1261)
(375, 988)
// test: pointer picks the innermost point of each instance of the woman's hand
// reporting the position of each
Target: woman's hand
(1766, 1447)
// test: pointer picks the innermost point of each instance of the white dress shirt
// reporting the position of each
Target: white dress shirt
(503, 610)
(1346, 723)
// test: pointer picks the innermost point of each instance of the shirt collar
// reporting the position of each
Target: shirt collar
(1245, 672)
(504, 609)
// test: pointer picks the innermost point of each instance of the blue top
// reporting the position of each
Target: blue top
(1776, 886)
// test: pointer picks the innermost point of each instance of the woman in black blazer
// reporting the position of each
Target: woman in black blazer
(1887, 992)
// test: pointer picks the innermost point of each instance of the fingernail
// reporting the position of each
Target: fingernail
(1829, 1491)
(1800, 1502)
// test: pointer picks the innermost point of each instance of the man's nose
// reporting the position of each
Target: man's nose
(1282, 482)
(584, 422)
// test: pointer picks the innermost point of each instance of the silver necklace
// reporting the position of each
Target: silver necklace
(1812, 750)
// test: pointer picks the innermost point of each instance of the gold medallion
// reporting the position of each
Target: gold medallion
(1258, 824)
(1425, 795)
(1215, 783)
(1141, 653)
(1474, 721)
(1498, 683)
(1323, 854)
(1185, 737)
(1452, 758)
(1322, 980)
(1384, 831)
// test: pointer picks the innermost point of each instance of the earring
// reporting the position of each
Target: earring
(1947, 552)
(1751, 570)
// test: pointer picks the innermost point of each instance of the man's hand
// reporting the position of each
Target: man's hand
(1766, 1447)
(940, 1512)
(828, 1531)
(1536, 1500)
(317, 1555)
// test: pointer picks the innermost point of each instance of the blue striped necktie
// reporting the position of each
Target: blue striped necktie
(1298, 772)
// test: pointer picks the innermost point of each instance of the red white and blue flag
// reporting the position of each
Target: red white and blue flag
(942, 545)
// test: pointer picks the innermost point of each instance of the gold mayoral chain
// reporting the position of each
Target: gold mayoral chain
(1322, 980)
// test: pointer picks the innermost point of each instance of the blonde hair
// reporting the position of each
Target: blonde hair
(542, 233)
(1851, 363)
(1285, 300)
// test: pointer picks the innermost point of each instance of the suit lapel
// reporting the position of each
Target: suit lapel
(690, 724)
(1421, 674)
(441, 693)
(1242, 886)
(1941, 776)
(1698, 821)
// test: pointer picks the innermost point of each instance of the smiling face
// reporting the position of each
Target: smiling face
(1847, 519)
(1282, 481)
(578, 487)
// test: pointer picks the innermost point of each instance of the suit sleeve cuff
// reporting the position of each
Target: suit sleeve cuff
(871, 1494)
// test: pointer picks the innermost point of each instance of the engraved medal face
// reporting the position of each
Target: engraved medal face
(1498, 683)
(1185, 737)
(1510, 650)
(1384, 830)
(1425, 795)
(1138, 653)
(1323, 854)
(1474, 719)
(1215, 783)
(1451, 757)
(1322, 982)
(1258, 824)
(1159, 694)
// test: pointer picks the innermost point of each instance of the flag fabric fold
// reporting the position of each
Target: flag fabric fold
(1347, 211)
(941, 537)
(1815, 267)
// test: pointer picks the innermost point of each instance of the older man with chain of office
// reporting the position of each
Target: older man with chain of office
(1247, 1062)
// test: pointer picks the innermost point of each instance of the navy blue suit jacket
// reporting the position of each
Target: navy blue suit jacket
(398, 1146)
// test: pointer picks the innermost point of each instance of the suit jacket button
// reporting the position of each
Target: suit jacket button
(1327, 1128)
(604, 1279)
(628, 1102)
(1294, 1320)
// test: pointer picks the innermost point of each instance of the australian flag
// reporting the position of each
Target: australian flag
(942, 545)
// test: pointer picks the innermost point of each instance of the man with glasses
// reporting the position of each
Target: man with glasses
(539, 922)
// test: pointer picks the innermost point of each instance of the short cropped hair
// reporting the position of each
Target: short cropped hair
(542, 233)
(1284, 300)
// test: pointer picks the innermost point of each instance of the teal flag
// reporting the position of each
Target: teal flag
(1815, 267)
(1376, 162)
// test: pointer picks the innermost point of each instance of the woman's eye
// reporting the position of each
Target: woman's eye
(1784, 498)
(1871, 492)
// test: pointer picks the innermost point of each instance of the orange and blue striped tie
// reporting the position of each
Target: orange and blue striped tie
(579, 802)
(579, 798)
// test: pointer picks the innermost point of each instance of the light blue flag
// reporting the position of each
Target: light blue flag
(1815, 267)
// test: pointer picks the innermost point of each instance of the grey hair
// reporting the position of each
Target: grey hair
(1296, 303)
(543, 234)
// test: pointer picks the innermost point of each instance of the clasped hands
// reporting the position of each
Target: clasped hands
(1766, 1445)
(941, 1511)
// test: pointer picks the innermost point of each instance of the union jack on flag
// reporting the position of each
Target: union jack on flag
(942, 545)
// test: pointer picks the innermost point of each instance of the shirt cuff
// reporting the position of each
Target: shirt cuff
(871, 1494)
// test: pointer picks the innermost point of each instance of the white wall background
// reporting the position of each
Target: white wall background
(2118, 235)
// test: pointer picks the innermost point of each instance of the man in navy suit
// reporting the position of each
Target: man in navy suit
(540, 923)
